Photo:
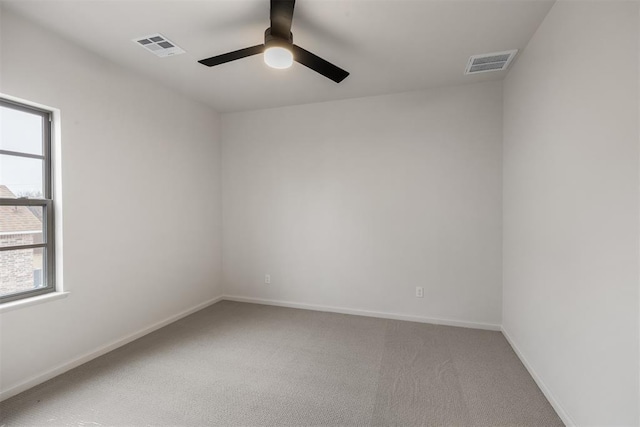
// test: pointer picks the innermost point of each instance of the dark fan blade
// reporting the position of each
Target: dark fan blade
(318, 64)
(232, 56)
(282, 17)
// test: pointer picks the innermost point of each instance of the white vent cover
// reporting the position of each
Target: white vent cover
(496, 61)
(158, 45)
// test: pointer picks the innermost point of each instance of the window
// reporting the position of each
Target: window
(27, 247)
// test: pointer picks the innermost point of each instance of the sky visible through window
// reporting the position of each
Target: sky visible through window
(22, 132)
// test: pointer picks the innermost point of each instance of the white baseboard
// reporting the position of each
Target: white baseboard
(564, 416)
(40, 378)
(367, 313)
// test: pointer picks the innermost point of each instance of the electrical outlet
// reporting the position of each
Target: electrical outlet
(419, 292)
(267, 279)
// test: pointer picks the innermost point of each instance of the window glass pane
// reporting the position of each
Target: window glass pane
(21, 270)
(21, 225)
(21, 177)
(20, 131)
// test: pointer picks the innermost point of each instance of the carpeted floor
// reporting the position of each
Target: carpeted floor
(246, 364)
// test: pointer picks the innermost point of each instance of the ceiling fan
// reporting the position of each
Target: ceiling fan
(278, 48)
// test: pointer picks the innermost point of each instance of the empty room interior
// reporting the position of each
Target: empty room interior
(320, 212)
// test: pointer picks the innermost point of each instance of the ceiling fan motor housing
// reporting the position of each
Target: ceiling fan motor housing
(271, 40)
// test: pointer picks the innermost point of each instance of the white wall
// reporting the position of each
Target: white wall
(571, 209)
(140, 171)
(354, 203)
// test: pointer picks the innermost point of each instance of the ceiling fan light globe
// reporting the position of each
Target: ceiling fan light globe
(278, 57)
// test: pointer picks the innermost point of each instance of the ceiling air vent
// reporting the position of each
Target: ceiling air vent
(496, 61)
(158, 45)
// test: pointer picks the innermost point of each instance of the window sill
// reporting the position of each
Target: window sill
(14, 305)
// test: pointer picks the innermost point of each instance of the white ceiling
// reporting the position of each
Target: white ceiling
(387, 45)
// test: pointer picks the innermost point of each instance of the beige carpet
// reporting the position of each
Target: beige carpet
(246, 364)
